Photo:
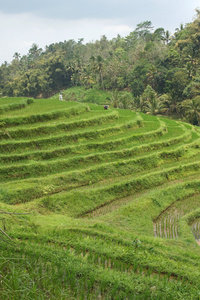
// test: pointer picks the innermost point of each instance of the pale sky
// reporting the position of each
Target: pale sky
(24, 22)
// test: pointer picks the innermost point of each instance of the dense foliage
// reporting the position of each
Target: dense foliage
(159, 69)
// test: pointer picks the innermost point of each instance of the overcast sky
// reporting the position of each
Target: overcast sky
(24, 22)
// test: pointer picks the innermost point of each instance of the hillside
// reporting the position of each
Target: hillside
(158, 71)
(99, 204)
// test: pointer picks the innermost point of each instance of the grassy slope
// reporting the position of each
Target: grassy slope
(106, 201)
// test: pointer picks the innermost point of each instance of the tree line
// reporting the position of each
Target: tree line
(160, 70)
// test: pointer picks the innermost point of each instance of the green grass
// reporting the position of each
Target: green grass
(40, 106)
(81, 94)
(11, 100)
(99, 204)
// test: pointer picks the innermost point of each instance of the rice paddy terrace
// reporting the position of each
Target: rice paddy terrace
(99, 204)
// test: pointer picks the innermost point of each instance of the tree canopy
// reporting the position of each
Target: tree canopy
(146, 58)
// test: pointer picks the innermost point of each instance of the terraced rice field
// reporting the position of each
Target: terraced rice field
(99, 204)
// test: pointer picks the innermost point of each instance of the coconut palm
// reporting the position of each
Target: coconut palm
(167, 36)
(191, 110)
(149, 101)
(166, 104)
(17, 56)
(153, 106)
(100, 69)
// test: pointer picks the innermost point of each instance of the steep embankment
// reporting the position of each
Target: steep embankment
(99, 202)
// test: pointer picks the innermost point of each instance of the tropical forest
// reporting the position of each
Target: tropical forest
(100, 168)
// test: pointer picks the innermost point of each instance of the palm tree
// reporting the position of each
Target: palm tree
(153, 106)
(94, 67)
(17, 56)
(149, 101)
(167, 36)
(192, 110)
(34, 51)
(100, 69)
(151, 76)
(191, 66)
(165, 104)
